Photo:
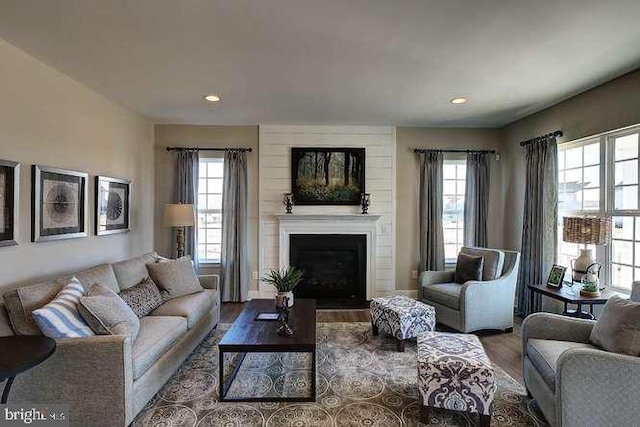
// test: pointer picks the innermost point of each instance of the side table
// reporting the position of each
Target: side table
(568, 296)
(20, 353)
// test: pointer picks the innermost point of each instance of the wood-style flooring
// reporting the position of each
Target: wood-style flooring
(504, 349)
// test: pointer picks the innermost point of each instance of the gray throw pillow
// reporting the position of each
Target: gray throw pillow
(107, 314)
(176, 277)
(469, 268)
(143, 298)
(618, 327)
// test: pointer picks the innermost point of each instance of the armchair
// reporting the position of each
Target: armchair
(574, 382)
(474, 305)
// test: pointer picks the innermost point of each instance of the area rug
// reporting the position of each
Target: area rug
(362, 381)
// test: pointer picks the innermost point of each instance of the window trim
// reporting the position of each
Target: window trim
(210, 262)
(457, 159)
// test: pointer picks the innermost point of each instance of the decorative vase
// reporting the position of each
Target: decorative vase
(590, 285)
(281, 296)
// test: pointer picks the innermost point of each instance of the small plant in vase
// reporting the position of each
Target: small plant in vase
(284, 280)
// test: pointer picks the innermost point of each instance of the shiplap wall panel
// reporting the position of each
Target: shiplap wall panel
(275, 180)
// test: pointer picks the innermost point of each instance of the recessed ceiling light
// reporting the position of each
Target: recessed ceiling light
(459, 101)
(212, 98)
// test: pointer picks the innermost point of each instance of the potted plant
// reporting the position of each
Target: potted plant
(284, 281)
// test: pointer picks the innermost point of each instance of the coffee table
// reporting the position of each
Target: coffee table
(248, 335)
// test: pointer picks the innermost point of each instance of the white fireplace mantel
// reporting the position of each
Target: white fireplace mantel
(332, 224)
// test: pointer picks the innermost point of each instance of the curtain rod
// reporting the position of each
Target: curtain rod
(426, 150)
(207, 149)
(541, 138)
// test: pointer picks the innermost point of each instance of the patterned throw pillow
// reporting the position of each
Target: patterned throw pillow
(60, 317)
(143, 298)
(469, 268)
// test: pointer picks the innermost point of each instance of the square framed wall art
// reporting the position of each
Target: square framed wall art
(9, 192)
(59, 204)
(112, 205)
(327, 176)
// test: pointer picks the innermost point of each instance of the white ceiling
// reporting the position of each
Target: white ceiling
(392, 62)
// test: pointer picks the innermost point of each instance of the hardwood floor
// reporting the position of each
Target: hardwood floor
(504, 349)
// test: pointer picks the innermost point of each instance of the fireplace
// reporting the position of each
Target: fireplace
(335, 267)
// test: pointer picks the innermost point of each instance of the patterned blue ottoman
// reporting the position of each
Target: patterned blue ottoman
(455, 373)
(402, 317)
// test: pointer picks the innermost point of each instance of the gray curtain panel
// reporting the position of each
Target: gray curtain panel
(540, 222)
(186, 190)
(476, 199)
(431, 234)
(235, 243)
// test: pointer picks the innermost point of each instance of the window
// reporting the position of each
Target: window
(599, 176)
(210, 210)
(454, 179)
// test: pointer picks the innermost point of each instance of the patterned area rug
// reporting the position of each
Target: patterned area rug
(362, 381)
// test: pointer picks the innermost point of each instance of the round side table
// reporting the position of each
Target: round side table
(20, 353)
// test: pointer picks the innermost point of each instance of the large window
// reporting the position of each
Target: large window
(210, 210)
(599, 176)
(454, 178)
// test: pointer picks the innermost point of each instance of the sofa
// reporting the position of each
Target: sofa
(107, 379)
(475, 305)
(574, 382)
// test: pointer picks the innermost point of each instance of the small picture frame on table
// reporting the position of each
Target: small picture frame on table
(112, 205)
(556, 276)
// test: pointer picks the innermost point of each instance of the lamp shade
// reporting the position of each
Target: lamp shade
(179, 215)
(589, 230)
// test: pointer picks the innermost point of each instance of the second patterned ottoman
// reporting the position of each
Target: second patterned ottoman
(455, 373)
(402, 317)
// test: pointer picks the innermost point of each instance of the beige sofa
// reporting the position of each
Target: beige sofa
(108, 379)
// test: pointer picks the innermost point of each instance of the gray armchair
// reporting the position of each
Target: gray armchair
(474, 305)
(574, 382)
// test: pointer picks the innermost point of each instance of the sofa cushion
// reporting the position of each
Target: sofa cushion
(157, 334)
(133, 271)
(143, 298)
(107, 313)
(192, 307)
(21, 302)
(493, 261)
(618, 327)
(59, 318)
(544, 355)
(468, 267)
(102, 274)
(177, 277)
(447, 294)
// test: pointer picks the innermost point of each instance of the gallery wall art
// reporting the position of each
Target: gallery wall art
(9, 191)
(112, 205)
(327, 176)
(59, 204)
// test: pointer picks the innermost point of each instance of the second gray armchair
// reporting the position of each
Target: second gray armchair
(475, 305)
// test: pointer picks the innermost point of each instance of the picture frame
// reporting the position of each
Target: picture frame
(58, 204)
(327, 176)
(9, 202)
(112, 205)
(556, 276)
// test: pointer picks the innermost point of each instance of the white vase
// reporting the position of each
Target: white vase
(281, 296)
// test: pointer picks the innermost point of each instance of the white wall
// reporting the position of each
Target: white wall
(275, 177)
(48, 119)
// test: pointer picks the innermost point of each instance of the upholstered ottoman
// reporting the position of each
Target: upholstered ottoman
(402, 317)
(455, 373)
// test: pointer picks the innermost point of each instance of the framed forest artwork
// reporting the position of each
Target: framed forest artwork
(112, 205)
(327, 176)
(59, 204)
(9, 191)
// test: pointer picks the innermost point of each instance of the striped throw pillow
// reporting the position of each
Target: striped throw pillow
(60, 317)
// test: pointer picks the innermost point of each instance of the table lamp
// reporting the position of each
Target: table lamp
(180, 216)
(588, 230)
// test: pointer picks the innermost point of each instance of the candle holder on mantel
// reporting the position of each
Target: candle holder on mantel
(365, 201)
(288, 201)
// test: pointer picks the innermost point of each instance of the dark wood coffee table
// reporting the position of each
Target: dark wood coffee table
(248, 335)
(571, 296)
